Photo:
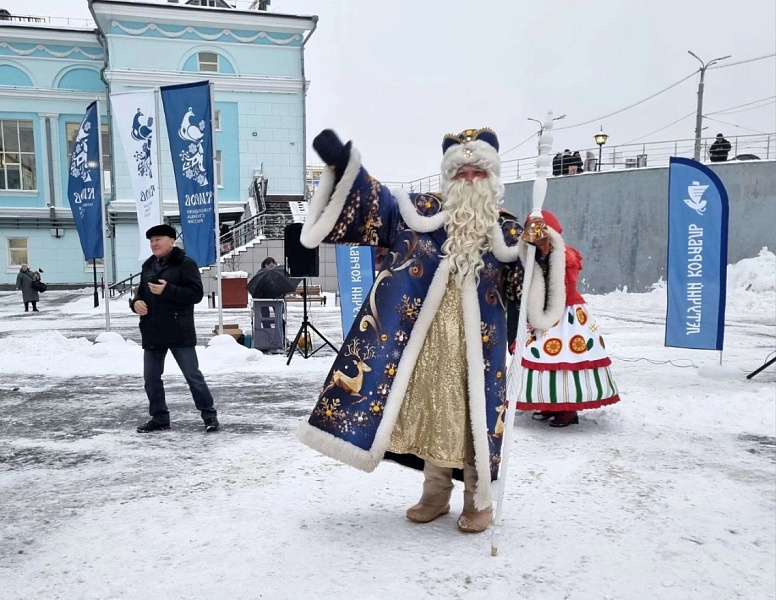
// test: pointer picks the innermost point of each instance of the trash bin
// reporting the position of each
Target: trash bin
(269, 324)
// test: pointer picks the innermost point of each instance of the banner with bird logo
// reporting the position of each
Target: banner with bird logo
(136, 122)
(697, 256)
(187, 111)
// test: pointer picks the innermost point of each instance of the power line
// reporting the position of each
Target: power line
(617, 112)
(525, 141)
(734, 125)
(742, 105)
(743, 62)
(737, 112)
(661, 129)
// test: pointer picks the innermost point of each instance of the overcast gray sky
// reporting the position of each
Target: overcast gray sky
(396, 76)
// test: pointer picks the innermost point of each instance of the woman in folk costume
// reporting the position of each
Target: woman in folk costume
(421, 375)
(566, 368)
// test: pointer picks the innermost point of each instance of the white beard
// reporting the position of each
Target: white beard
(471, 211)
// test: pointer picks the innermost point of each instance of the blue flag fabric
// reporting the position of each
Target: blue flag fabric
(355, 274)
(84, 185)
(189, 128)
(697, 256)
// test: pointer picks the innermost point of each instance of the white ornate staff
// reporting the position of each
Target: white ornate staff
(515, 371)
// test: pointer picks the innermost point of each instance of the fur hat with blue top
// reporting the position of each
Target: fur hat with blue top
(475, 147)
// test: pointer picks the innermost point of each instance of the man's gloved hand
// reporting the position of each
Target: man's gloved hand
(332, 151)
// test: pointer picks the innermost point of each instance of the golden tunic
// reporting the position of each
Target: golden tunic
(434, 422)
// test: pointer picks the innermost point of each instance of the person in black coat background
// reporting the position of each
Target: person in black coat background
(719, 150)
(170, 286)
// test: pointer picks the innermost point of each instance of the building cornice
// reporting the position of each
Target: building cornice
(35, 35)
(231, 83)
(107, 10)
(74, 53)
(49, 94)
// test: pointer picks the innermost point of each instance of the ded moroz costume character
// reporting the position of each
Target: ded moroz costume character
(421, 375)
(566, 368)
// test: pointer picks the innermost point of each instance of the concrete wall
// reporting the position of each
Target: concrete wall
(619, 220)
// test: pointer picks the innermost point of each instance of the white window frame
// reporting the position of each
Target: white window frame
(10, 267)
(217, 120)
(100, 265)
(5, 162)
(200, 62)
(219, 171)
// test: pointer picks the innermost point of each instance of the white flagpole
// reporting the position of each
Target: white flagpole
(215, 208)
(158, 134)
(106, 288)
(515, 370)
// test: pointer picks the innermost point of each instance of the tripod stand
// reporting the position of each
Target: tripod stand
(303, 331)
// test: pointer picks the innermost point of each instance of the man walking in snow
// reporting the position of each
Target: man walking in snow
(170, 286)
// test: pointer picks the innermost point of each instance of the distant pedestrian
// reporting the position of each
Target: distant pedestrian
(719, 150)
(24, 281)
(556, 164)
(575, 165)
(170, 286)
(565, 162)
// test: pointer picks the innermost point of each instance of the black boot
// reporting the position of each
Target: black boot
(152, 426)
(211, 424)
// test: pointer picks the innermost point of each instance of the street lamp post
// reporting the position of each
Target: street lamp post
(699, 113)
(541, 124)
(600, 139)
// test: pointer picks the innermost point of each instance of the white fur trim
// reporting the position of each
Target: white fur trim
(413, 218)
(328, 202)
(500, 249)
(335, 448)
(480, 154)
(478, 405)
(539, 316)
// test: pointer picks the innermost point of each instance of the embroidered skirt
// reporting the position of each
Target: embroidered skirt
(566, 367)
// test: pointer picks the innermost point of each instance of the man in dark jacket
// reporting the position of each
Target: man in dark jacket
(170, 286)
(719, 150)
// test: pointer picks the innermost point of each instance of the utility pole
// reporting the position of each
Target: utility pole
(699, 113)
(541, 125)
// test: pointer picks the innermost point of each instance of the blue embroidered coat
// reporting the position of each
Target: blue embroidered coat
(358, 407)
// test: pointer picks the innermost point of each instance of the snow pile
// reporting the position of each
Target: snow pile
(756, 274)
(234, 275)
(54, 355)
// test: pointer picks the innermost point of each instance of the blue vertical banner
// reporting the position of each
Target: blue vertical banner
(697, 256)
(190, 130)
(355, 275)
(84, 185)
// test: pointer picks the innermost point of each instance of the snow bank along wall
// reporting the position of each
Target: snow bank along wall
(619, 219)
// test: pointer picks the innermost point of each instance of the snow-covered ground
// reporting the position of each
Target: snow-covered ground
(670, 494)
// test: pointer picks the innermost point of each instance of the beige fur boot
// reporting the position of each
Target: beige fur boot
(435, 501)
(471, 519)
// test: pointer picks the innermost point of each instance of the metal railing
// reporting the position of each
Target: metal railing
(118, 289)
(62, 22)
(270, 226)
(626, 156)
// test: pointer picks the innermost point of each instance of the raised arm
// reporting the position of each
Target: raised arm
(349, 206)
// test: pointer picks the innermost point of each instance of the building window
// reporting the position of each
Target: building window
(219, 178)
(217, 120)
(208, 61)
(16, 252)
(71, 130)
(17, 156)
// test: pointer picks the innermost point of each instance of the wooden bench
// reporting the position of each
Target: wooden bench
(314, 294)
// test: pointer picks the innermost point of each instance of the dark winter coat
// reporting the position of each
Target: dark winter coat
(24, 283)
(719, 150)
(170, 318)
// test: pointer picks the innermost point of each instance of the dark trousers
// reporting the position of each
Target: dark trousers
(153, 368)
(27, 306)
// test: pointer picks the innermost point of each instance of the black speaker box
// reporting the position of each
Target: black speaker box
(300, 261)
